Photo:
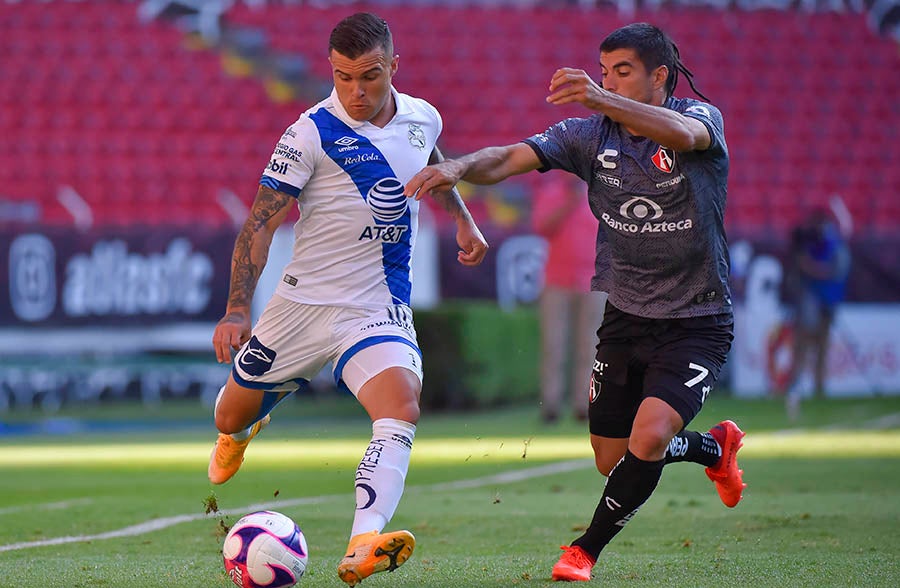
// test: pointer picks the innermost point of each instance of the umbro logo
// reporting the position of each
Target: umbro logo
(345, 141)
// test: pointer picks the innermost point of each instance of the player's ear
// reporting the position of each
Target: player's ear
(660, 75)
(395, 62)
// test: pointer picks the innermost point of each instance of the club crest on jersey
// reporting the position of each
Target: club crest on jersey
(664, 159)
(416, 136)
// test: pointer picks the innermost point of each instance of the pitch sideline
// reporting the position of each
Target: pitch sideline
(166, 522)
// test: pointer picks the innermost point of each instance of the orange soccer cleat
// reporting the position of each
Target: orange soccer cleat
(228, 454)
(574, 565)
(373, 552)
(726, 475)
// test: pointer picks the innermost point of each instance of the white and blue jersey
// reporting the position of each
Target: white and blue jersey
(353, 242)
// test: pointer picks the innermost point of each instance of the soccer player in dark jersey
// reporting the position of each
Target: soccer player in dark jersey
(656, 168)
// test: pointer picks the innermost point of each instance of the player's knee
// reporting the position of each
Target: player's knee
(604, 465)
(408, 411)
(231, 422)
(649, 446)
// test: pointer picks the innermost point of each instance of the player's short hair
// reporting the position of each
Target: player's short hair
(654, 48)
(360, 33)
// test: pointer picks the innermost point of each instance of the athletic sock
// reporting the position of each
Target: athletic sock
(693, 446)
(629, 486)
(381, 474)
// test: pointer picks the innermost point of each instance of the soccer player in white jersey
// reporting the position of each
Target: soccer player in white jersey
(656, 168)
(344, 296)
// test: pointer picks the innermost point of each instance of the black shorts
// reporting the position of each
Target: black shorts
(675, 360)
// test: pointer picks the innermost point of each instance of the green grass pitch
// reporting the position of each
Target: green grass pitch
(490, 497)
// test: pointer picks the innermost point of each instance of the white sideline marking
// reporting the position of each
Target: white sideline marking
(166, 522)
(46, 505)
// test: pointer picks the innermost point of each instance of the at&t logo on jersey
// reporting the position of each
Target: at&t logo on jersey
(388, 204)
(386, 200)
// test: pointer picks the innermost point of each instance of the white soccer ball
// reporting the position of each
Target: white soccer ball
(265, 549)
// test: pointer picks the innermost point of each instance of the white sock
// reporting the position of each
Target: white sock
(381, 474)
(240, 435)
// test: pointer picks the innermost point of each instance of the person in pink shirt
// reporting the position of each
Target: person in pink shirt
(570, 313)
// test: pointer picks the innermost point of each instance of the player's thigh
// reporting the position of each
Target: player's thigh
(615, 395)
(380, 361)
(392, 393)
(686, 365)
(616, 377)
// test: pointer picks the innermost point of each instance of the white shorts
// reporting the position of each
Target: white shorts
(291, 343)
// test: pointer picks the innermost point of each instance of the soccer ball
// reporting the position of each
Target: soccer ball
(265, 550)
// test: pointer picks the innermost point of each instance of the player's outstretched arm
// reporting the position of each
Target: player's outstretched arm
(251, 250)
(486, 166)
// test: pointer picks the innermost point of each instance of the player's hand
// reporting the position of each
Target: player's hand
(440, 177)
(573, 85)
(472, 243)
(232, 331)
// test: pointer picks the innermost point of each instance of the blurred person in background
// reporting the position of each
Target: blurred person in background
(816, 280)
(657, 169)
(344, 296)
(570, 312)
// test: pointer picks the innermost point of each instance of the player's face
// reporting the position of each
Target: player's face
(624, 74)
(364, 84)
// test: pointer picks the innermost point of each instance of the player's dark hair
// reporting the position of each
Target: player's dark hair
(359, 34)
(654, 48)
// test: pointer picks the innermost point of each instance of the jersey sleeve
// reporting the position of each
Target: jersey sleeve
(293, 160)
(567, 145)
(710, 116)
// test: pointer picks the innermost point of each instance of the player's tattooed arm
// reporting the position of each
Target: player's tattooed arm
(472, 244)
(251, 248)
(450, 200)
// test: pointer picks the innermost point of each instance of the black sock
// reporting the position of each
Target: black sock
(629, 486)
(693, 446)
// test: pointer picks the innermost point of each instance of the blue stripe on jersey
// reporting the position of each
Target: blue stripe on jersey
(380, 189)
(365, 344)
(271, 182)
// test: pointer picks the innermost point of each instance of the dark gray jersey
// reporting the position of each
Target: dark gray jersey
(662, 211)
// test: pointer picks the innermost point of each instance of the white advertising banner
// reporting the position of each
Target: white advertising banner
(863, 359)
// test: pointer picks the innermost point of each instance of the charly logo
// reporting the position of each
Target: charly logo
(605, 158)
(416, 136)
(32, 277)
(257, 359)
(640, 208)
(699, 109)
(386, 200)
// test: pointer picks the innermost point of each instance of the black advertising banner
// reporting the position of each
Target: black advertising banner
(59, 277)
